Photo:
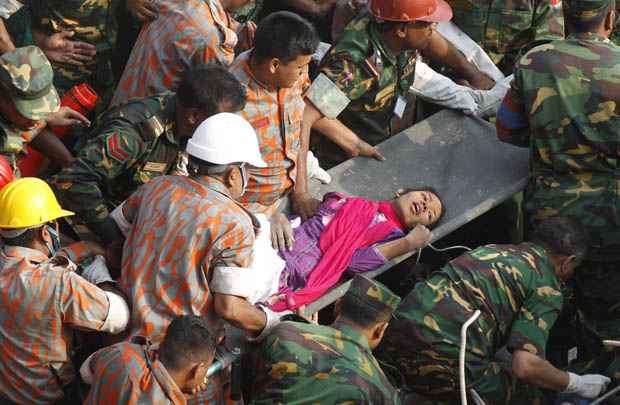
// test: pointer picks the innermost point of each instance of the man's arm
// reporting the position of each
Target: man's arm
(441, 51)
(346, 139)
(512, 121)
(52, 147)
(80, 187)
(240, 313)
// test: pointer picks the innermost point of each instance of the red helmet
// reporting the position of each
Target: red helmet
(6, 172)
(411, 10)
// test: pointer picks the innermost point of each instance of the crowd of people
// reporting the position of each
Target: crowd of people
(176, 207)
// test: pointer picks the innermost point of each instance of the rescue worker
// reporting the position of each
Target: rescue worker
(140, 140)
(138, 372)
(365, 78)
(43, 299)
(560, 105)
(184, 35)
(505, 28)
(191, 236)
(517, 290)
(275, 75)
(28, 104)
(305, 363)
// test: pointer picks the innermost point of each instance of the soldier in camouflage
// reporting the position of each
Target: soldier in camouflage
(93, 23)
(28, 103)
(302, 363)
(517, 290)
(365, 78)
(503, 28)
(562, 105)
(139, 140)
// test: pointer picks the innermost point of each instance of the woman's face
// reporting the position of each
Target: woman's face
(419, 207)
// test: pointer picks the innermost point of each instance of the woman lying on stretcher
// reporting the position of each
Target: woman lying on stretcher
(347, 233)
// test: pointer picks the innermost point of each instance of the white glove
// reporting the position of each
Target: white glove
(273, 319)
(586, 386)
(97, 272)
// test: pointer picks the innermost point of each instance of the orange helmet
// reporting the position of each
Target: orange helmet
(6, 172)
(411, 10)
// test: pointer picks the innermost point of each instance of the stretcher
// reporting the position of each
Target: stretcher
(458, 155)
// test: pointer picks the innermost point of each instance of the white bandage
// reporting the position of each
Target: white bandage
(8, 8)
(118, 314)
(122, 223)
(273, 319)
(232, 281)
(327, 97)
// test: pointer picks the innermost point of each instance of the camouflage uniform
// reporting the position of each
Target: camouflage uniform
(93, 22)
(302, 363)
(26, 76)
(515, 288)
(562, 105)
(503, 27)
(371, 78)
(132, 144)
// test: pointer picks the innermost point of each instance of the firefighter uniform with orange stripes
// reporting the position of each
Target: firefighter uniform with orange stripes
(132, 144)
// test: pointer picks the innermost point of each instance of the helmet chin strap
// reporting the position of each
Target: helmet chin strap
(54, 246)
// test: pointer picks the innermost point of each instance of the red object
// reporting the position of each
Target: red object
(411, 10)
(349, 230)
(81, 98)
(6, 172)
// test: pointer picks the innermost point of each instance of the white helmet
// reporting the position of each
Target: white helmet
(225, 138)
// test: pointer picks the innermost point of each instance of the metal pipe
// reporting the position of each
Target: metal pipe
(463, 386)
(226, 358)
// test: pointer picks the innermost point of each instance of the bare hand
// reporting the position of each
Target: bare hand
(479, 81)
(365, 149)
(305, 205)
(245, 33)
(418, 237)
(59, 48)
(66, 117)
(143, 10)
(281, 232)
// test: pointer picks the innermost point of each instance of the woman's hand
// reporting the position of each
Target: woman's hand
(60, 48)
(418, 237)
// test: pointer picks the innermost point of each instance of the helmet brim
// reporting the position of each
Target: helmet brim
(442, 13)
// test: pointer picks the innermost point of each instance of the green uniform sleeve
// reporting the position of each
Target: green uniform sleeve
(82, 186)
(538, 313)
(350, 77)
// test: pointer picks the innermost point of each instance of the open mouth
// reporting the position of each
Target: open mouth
(416, 208)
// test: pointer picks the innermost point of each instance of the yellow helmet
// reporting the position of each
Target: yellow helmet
(28, 202)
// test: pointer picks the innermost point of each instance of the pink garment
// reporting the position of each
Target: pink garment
(348, 231)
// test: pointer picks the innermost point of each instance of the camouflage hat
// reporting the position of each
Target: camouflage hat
(586, 8)
(27, 76)
(373, 294)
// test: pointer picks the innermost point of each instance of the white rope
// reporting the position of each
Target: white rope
(463, 385)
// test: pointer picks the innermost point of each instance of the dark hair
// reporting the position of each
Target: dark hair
(286, 36)
(360, 314)
(188, 339)
(25, 239)
(578, 24)
(562, 236)
(207, 86)
(430, 190)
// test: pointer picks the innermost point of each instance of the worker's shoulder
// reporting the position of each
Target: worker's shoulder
(294, 330)
(137, 110)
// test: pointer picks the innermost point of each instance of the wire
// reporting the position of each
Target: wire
(417, 261)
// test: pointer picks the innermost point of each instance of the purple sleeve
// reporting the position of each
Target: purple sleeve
(369, 259)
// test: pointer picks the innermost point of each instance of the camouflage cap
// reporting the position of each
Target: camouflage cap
(27, 76)
(586, 8)
(373, 294)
